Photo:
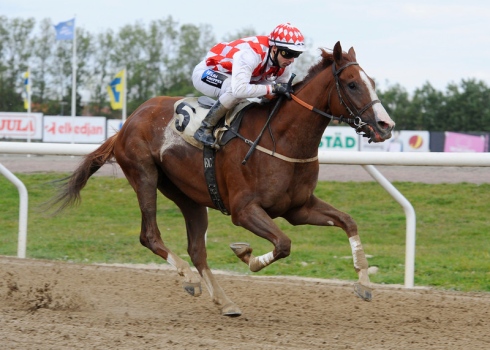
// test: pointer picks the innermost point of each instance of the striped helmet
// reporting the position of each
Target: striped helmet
(287, 36)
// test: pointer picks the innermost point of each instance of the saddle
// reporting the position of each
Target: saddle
(190, 111)
(188, 114)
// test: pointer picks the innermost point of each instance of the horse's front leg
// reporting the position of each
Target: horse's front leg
(317, 212)
(256, 220)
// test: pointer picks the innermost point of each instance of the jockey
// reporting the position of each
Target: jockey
(250, 67)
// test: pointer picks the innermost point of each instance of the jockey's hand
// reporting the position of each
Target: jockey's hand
(282, 89)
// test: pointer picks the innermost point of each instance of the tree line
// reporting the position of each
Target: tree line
(463, 107)
(159, 58)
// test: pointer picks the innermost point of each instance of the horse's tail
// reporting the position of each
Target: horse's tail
(71, 186)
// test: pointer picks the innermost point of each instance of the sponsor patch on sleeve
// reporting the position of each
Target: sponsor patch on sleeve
(213, 78)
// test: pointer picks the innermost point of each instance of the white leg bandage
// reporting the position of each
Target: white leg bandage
(259, 262)
(360, 261)
(266, 259)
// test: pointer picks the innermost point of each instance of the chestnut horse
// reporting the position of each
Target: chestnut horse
(275, 183)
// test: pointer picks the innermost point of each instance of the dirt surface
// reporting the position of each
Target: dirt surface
(58, 305)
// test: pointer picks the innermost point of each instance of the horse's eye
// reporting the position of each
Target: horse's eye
(352, 86)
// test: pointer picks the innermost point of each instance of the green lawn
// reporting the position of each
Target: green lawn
(452, 249)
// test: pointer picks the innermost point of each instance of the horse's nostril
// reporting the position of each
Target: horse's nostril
(383, 125)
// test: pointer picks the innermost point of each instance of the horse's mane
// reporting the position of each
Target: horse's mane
(325, 62)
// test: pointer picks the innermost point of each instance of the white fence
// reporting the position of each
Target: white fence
(23, 208)
(366, 159)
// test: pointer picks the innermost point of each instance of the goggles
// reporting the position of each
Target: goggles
(288, 54)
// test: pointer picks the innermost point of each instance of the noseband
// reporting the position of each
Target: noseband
(356, 119)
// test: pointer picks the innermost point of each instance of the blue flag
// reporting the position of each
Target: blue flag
(65, 30)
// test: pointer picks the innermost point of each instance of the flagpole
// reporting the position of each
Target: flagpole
(124, 96)
(74, 72)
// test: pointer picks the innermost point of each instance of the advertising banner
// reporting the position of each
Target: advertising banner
(375, 147)
(415, 140)
(456, 142)
(74, 129)
(400, 141)
(21, 125)
(339, 138)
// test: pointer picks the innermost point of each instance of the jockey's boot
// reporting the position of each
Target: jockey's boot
(205, 131)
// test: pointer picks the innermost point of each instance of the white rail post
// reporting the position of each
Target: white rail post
(410, 223)
(22, 242)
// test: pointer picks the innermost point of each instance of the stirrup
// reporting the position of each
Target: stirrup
(207, 141)
(206, 138)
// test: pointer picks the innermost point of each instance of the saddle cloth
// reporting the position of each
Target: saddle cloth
(189, 113)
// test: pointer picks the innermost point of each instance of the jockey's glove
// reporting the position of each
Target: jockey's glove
(282, 89)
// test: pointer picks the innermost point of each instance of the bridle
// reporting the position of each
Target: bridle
(356, 119)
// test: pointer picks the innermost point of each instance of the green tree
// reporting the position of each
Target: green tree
(193, 44)
(396, 101)
(468, 106)
(3, 66)
(41, 61)
(16, 38)
(130, 52)
(102, 73)
(85, 52)
(61, 72)
(428, 109)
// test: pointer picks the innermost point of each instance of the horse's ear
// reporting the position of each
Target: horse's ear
(352, 54)
(337, 52)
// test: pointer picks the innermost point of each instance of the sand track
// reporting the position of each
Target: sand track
(58, 305)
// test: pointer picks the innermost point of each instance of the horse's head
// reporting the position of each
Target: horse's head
(357, 98)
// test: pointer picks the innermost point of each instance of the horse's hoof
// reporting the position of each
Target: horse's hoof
(193, 289)
(363, 292)
(231, 310)
(241, 249)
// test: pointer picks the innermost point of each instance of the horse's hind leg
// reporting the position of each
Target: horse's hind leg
(144, 180)
(196, 220)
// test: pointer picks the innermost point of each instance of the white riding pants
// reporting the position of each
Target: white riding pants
(222, 91)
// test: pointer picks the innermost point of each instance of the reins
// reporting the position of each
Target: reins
(276, 107)
(356, 119)
(316, 110)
